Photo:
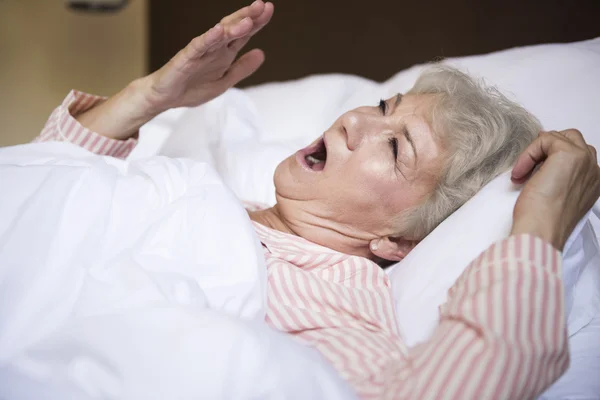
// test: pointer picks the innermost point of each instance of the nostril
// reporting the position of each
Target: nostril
(351, 126)
(346, 137)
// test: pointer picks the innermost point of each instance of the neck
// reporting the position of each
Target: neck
(271, 218)
(314, 229)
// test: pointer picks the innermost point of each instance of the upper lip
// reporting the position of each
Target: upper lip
(313, 147)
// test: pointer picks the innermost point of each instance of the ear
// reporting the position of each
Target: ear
(392, 248)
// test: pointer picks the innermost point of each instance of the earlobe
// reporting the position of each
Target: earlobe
(392, 248)
(374, 246)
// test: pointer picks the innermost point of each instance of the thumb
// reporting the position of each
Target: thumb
(245, 66)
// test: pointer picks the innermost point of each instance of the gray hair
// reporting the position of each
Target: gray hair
(482, 133)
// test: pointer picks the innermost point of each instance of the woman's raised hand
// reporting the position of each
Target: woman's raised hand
(564, 188)
(205, 68)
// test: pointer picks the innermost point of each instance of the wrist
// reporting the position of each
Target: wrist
(140, 94)
(135, 100)
(542, 229)
(121, 116)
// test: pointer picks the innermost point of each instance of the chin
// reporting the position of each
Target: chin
(301, 170)
(283, 176)
(291, 180)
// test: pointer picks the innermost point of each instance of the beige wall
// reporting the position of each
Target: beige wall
(46, 50)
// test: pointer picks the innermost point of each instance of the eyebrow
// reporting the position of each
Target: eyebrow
(405, 131)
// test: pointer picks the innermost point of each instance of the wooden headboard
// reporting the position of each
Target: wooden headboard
(375, 38)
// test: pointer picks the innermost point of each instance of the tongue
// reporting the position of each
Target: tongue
(316, 155)
(318, 166)
(314, 163)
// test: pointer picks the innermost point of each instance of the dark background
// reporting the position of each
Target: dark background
(375, 38)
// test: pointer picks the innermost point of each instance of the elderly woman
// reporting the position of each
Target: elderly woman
(364, 194)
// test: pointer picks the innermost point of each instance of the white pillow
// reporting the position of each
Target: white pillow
(285, 106)
(421, 281)
(225, 133)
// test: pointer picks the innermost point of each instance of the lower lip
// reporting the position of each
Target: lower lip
(301, 157)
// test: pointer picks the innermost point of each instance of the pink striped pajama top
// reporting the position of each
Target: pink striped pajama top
(502, 333)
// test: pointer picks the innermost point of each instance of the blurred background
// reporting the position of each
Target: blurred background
(46, 49)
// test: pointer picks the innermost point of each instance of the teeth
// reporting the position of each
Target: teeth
(313, 160)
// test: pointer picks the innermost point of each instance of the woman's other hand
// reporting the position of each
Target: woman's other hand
(205, 68)
(564, 188)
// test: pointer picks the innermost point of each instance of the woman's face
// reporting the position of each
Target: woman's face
(369, 166)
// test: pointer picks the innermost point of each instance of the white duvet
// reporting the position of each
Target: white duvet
(137, 280)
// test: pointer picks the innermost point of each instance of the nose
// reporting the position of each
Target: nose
(361, 125)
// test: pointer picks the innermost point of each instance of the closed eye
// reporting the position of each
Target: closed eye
(394, 145)
(383, 106)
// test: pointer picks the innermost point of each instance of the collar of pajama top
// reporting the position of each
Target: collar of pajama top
(340, 304)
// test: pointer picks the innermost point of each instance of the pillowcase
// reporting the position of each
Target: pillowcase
(421, 281)
(284, 106)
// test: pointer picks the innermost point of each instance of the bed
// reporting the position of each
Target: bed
(557, 82)
(245, 133)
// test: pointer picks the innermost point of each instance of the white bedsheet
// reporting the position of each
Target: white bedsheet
(136, 280)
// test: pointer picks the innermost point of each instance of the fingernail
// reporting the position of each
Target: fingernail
(373, 246)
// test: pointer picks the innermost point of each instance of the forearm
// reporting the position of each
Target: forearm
(63, 127)
(121, 116)
(502, 332)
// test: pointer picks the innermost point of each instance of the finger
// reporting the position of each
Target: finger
(252, 11)
(264, 18)
(593, 151)
(259, 23)
(201, 44)
(238, 44)
(238, 29)
(535, 153)
(245, 66)
(240, 22)
(575, 136)
(231, 33)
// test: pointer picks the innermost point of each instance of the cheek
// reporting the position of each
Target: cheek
(372, 173)
(365, 165)
(368, 183)
(375, 185)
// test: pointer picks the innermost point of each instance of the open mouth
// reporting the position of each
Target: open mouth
(314, 156)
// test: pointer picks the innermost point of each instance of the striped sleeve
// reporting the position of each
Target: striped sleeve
(63, 127)
(502, 332)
